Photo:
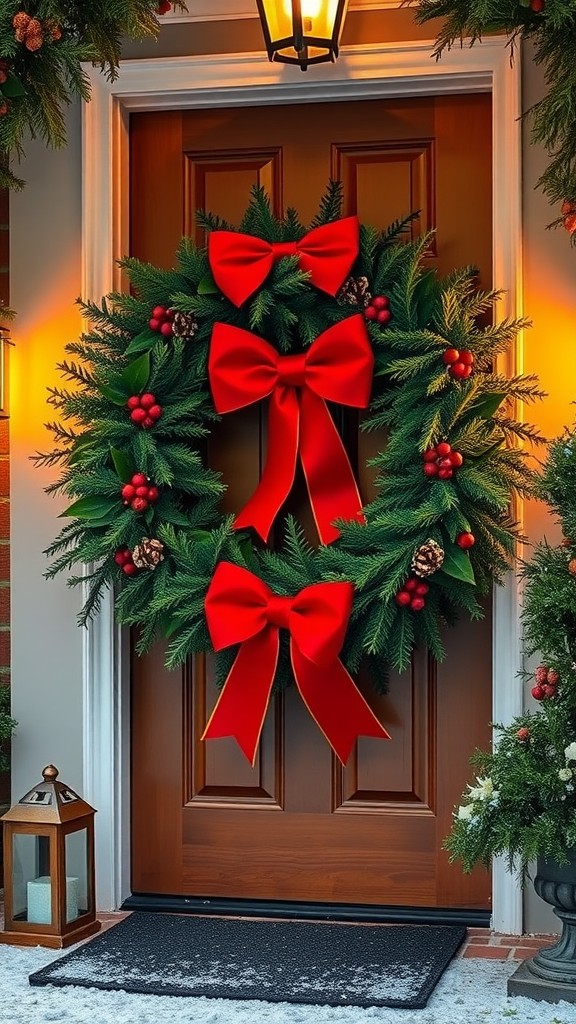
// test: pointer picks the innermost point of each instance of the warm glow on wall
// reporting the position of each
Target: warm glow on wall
(5, 346)
(302, 32)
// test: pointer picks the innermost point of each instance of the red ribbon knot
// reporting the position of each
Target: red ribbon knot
(241, 263)
(241, 608)
(337, 367)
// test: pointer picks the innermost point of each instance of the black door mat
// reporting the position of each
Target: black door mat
(275, 961)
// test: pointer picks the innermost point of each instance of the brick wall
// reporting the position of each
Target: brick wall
(4, 491)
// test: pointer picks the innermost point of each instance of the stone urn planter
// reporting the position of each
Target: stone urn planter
(551, 973)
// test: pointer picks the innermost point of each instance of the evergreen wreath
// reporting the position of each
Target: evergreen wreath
(130, 440)
(551, 26)
(43, 44)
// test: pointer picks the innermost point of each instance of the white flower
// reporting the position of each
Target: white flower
(570, 752)
(484, 790)
(565, 774)
(465, 812)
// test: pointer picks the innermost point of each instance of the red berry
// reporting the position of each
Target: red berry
(159, 312)
(381, 302)
(138, 415)
(154, 324)
(421, 590)
(153, 494)
(163, 7)
(139, 479)
(443, 448)
(370, 313)
(466, 357)
(431, 455)
(133, 402)
(537, 692)
(403, 598)
(450, 356)
(417, 604)
(445, 463)
(553, 676)
(523, 734)
(4, 108)
(467, 372)
(171, 314)
(122, 556)
(465, 540)
(384, 316)
(128, 492)
(549, 691)
(148, 422)
(147, 400)
(459, 371)
(142, 491)
(541, 674)
(155, 412)
(166, 329)
(411, 584)
(139, 504)
(537, 6)
(445, 474)
(129, 568)
(456, 459)
(430, 469)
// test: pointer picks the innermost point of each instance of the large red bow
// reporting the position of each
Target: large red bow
(241, 263)
(240, 608)
(338, 367)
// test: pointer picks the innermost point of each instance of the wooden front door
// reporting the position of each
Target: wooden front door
(298, 826)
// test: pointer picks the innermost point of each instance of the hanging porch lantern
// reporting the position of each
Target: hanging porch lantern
(49, 867)
(302, 32)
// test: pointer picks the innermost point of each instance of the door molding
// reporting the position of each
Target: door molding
(248, 79)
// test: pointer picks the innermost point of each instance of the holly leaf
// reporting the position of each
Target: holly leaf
(208, 286)
(90, 507)
(12, 88)
(486, 405)
(142, 342)
(136, 375)
(458, 565)
(115, 393)
(122, 464)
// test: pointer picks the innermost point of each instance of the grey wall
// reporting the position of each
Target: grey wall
(45, 251)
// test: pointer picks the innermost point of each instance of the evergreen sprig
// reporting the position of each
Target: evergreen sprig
(553, 33)
(526, 805)
(7, 726)
(416, 404)
(41, 62)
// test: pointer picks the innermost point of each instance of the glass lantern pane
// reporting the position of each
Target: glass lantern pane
(31, 889)
(76, 867)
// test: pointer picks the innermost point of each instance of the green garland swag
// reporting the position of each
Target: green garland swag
(160, 560)
(551, 26)
(43, 44)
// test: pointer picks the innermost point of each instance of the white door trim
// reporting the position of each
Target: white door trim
(245, 79)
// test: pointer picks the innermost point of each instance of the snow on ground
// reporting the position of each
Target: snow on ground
(470, 992)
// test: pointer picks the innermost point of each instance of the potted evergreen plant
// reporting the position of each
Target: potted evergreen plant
(522, 803)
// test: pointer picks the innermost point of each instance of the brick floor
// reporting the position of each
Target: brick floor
(480, 942)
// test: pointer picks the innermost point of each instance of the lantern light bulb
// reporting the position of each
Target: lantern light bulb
(309, 8)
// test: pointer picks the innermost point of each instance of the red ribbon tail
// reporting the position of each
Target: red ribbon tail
(241, 707)
(331, 483)
(335, 703)
(278, 475)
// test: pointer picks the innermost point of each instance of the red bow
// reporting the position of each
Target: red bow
(244, 369)
(240, 608)
(241, 263)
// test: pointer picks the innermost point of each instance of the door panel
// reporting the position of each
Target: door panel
(298, 825)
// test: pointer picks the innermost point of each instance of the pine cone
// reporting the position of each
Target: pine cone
(184, 325)
(34, 35)
(427, 558)
(20, 23)
(355, 292)
(148, 553)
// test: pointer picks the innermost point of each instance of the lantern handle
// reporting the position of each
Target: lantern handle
(50, 773)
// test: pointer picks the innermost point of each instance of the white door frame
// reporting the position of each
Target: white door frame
(245, 79)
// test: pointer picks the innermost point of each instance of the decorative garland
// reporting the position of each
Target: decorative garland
(340, 313)
(43, 44)
(551, 26)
